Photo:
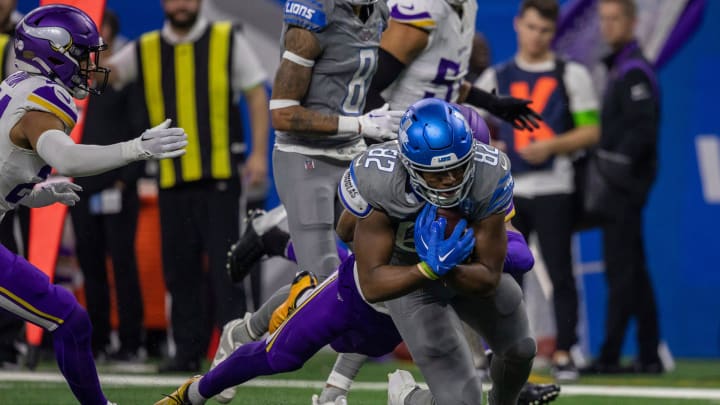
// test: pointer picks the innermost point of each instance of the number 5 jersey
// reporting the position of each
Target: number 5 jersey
(439, 69)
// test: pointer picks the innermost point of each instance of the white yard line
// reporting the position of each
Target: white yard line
(162, 381)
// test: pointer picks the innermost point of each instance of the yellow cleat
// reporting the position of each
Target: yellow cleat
(179, 397)
(304, 281)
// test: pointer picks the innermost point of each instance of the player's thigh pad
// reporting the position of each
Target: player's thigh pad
(28, 293)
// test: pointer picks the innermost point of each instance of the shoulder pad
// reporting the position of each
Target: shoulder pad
(423, 14)
(308, 14)
(350, 195)
(54, 99)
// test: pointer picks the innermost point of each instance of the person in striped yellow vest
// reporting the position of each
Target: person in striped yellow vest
(194, 72)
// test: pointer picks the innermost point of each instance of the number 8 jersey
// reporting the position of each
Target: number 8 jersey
(377, 179)
(342, 72)
(439, 69)
(21, 169)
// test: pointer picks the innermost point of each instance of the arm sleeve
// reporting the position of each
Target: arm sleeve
(247, 69)
(584, 103)
(641, 116)
(486, 82)
(76, 160)
(350, 195)
(389, 68)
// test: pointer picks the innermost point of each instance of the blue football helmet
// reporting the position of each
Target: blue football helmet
(434, 137)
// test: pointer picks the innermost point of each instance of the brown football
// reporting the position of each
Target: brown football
(452, 216)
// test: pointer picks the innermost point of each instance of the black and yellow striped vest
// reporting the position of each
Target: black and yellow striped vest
(5, 47)
(190, 83)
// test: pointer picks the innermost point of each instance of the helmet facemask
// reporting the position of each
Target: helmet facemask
(91, 77)
(442, 197)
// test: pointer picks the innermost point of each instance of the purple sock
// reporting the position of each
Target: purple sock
(290, 252)
(519, 259)
(74, 357)
(247, 362)
(342, 252)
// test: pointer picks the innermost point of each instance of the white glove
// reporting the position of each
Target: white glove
(49, 193)
(380, 124)
(160, 142)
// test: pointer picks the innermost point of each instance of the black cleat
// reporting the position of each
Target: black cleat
(538, 394)
(247, 251)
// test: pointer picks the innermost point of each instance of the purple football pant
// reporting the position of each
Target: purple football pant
(333, 314)
(28, 293)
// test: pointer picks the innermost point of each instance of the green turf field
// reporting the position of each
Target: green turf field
(689, 374)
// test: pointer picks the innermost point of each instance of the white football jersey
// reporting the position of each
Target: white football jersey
(440, 68)
(21, 169)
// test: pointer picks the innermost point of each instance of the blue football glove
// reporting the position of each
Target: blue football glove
(422, 228)
(444, 254)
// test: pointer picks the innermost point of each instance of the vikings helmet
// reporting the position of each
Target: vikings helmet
(478, 126)
(62, 43)
(434, 137)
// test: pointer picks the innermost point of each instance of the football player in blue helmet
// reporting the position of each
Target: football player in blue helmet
(436, 145)
(436, 137)
(419, 154)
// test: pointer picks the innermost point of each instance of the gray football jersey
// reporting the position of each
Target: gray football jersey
(342, 72)
(377, 179)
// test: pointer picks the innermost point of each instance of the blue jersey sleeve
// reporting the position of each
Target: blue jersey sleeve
(502, 198)
(311, 15)
(350, 196)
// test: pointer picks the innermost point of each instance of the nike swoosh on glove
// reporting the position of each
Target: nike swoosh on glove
(422, 225)
(381, 124)
(444, 254)
(49, 193)
(159, 142)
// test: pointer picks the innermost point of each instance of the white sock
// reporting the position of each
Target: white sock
(193, 394)
(272, 218)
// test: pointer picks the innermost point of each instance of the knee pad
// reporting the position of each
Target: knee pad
(522, 350)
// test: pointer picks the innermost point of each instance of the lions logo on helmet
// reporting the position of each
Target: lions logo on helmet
(434, 137)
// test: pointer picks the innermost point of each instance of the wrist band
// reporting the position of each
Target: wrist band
(348, 125)
(426, 271)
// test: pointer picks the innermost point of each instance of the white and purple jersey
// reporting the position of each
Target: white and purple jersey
(440, 68)
(21, 169)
